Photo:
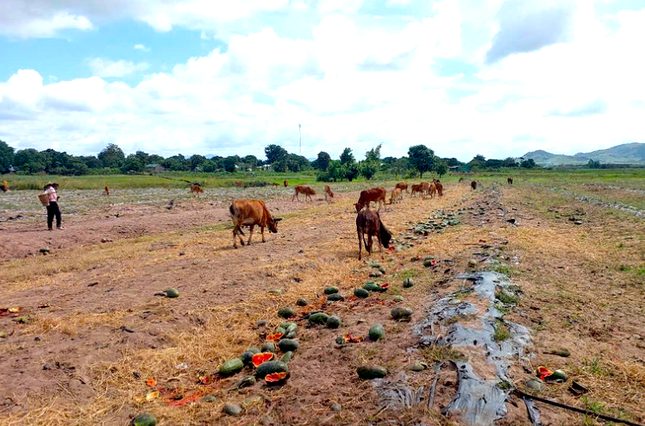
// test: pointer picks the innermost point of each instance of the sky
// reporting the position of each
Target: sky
(464, 77)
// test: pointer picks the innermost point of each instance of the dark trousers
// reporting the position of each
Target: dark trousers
(53, 210)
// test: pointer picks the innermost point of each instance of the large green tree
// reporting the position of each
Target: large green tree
(322, 162)
(421, 158)
(112, 156)
(6, 156)
(441, 168)
(275, 153)
(347, 157)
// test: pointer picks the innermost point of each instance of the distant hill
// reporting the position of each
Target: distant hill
(628, 153)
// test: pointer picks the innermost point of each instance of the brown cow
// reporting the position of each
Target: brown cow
(286, 183)
(369, 222)
(403, 186)
(5, 186)
(107, 191)
(396, 196)
(510, 181)
(416, 189)
(376, 195)
(196, 189)
(239, 183)
(251, 213)
(301, 189)
(329, 194)
(432, 189)
(461, 179)
(438, 186)
(473, 185)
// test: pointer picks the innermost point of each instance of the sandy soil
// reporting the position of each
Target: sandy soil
(93, 330)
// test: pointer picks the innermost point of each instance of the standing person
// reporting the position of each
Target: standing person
(52, 208)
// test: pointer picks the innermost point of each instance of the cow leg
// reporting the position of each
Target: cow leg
(360, 242)
(236, 230)
(262, 232)
(250, 235)
(369, 243)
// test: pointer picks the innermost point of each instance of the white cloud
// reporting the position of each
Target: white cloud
(102, 67)
(356, 80)
(141, 47)
(43, 26)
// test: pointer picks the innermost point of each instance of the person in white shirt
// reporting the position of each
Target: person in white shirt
(52, 208)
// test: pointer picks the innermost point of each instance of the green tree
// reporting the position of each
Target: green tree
(133, 164)
(421, 158)
(528, 164)
(593, 164)
(322, 162)
(275, 153)
(477, 163)
(509, 162)
(251, 161)
(351, 171)
(368, 168)
(347, 157)
(30, 160)
(296, 163)
(399, 166)
(196, 161)
(112, 156)
(374, 154)
(229, 164)
(6, 156)
(441, 168)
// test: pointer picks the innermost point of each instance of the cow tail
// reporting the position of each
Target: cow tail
(232, 211)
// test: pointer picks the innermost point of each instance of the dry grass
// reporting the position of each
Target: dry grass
(554, 270)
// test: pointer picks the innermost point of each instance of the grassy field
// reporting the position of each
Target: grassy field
(90, 331)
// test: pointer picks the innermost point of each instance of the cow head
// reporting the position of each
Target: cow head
(273, 224)
(359, 207)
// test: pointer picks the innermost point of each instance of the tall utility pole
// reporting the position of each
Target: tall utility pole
(300, 136)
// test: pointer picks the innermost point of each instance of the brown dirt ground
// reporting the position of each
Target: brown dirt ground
(95, 332)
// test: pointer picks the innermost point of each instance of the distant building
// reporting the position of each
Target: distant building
(155, 168)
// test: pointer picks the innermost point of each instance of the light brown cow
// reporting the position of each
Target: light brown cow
(329, 194)
(396, 195)
(438, 186)
(416, 189)
(376, 195)
(403, 186)
(301, 189)
(432, 190)
(251, 213)
(195, 189)
(369, 222)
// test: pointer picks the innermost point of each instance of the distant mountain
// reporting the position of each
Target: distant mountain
(629, 153)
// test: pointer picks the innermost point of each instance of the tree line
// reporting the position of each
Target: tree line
(112, 160)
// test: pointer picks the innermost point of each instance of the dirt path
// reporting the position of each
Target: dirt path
(94, 331)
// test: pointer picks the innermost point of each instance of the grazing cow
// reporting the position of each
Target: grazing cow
(251, 213)
(4, 187)
(196, 189)
(403, 186)
(286, 183)
(329, 194)
(376, 195)
(238, 183)
(510, 181)
(438, 186)
(107, 191)
(461, 179)
(473, 185)
(397, 195)
(416, 189)
(369, 222)
(432, 190)
(301, 189)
